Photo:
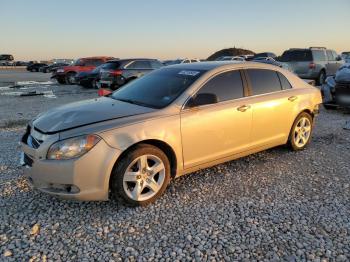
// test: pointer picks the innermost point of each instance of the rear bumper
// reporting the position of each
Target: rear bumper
(84, 178)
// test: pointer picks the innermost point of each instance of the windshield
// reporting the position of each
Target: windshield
(159, 88)
(111, 65)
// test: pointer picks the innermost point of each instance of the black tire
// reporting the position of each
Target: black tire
(291, 140)
(94, 84)
(321, 78)
(61, 81)
(118, 172)
(69, 76)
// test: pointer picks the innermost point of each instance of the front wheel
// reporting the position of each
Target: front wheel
(141, 176)
(300, 133)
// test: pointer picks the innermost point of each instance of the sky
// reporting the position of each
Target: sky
(165, 29)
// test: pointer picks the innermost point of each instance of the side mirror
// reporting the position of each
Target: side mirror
(202, 99)
(338, 58)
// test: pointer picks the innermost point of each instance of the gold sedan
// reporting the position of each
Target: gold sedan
(174, 121)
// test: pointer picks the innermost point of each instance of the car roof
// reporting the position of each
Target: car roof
(97, 57)
(207, 66)
(217, 66)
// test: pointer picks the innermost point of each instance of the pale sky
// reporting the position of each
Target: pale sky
(43, 29)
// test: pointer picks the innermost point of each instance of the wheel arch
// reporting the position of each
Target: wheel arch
(165, 147)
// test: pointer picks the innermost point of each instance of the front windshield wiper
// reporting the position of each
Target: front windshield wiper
(130, 101)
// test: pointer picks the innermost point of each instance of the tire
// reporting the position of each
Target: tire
(124, 187)
(321, 78)
(300, 135)
(61, 81)
(69, 78)
(94, 84)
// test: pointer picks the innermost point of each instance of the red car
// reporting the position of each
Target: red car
(66, 74)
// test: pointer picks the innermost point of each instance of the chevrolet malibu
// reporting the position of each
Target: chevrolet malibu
(171, 122)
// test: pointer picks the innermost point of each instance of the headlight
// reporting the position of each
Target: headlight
(72, 147)
(60, 70)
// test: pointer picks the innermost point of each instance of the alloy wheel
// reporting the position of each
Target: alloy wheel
(144, 177)
(302, 132)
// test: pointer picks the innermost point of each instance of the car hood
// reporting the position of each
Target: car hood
(84, 113)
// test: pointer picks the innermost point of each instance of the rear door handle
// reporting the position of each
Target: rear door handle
(292, 98)
(243, 108)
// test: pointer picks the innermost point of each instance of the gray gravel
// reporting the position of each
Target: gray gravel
(274, 205)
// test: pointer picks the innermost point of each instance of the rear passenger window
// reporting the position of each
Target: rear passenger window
(330, 55)
(284, 81)
(319, 55)
(263, 81)
(226, 86)
(139, 65)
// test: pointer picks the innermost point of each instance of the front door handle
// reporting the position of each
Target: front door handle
(292, 98)
(243, 108)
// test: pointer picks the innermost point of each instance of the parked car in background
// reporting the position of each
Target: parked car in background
(21, 63)
(312, 63)
(346, 56)
(181, 61)
(66, 74)
(267, 60)
(336, 89)
(89, 79)
(264, 54)
(52, 67)
(171, 122)
(230, 58)
(6, 60)
(116, 73)
(35, 67)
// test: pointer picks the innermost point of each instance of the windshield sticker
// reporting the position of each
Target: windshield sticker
(188, 73)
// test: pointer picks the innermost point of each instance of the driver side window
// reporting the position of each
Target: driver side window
(226, 86)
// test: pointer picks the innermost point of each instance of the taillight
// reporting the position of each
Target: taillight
(116, 73)
(103, 92)
(312, 65)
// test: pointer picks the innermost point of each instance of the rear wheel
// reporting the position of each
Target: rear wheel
(141, 176)
(70, 78)
(300, 133)
(321, 78)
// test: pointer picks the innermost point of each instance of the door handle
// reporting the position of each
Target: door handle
(292, 98)
(243, 108)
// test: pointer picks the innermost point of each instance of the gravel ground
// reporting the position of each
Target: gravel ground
(274, 205)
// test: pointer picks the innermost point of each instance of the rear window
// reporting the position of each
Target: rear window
(296, 56)
(111, 65)
(263, 81)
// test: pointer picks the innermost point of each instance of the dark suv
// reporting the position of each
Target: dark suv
(312, 63)
(116, 73)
